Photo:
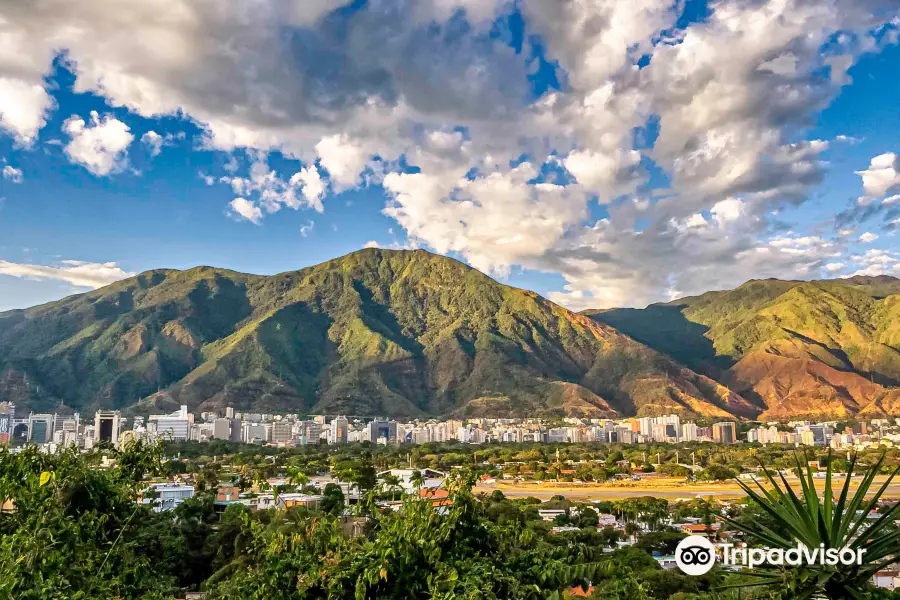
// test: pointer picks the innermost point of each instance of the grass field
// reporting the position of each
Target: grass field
(670, 488)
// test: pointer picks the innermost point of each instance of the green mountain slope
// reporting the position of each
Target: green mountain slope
(373, 333)
(797, 348)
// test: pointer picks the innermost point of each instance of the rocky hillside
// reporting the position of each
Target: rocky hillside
(377, 332)
(821, 348)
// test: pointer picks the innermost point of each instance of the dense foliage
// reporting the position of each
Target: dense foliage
(75, 529)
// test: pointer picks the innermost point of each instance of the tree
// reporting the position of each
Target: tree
(73, 530)
(417, 479)
(391, 483)
(840, 522)
(332, 499)
(587, 517)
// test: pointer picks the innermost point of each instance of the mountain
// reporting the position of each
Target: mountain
(820, 348)
(376, 332)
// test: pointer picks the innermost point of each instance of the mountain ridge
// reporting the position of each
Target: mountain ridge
(828, 348)
(402, 333)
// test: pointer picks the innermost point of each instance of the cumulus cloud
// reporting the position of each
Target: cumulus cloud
(75, 272)
(304, 189)
(882, 176)
(154, 142)
(100, 145)
(241, 208)
(12, 174)
(868, 237)
(877, 262)
(429, 100)
(24, 105)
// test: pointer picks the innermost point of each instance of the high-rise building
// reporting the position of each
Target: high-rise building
(338, 430)
(235, 430)
(40, 428)
(106, 427)
(387, 430)
(282, 432)
(229, 412)
(174, 426)
(222, 429)
(724, 432)
(689, 432)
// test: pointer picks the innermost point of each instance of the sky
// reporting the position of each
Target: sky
(599, 152)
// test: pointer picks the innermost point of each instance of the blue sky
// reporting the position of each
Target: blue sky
(513, 136)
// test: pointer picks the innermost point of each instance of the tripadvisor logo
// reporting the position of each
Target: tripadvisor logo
(696, 555)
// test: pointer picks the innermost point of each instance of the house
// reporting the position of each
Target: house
(887, 579)
(430, 478)
(439, 497)
(292, 500)
(227, 494)
(666, 562)
(606, 520)
(699, 529)
(548, 514)
(564, 529)
(166, 496)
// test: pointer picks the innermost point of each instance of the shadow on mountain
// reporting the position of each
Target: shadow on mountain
(665, 328)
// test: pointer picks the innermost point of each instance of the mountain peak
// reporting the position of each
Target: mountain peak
(396, 332)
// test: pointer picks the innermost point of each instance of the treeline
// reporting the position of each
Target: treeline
(589, 462)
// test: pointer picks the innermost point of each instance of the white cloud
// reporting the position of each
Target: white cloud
(729, 96)
(310, 182)
(24, 106)
(155, 142)
(371, 244)
(609, 174)
(100, 146)
(868, 237)
(727, 211)
(495, 221)
(834, 267)
(344, 159)
(304, 189)
(877, 262)
(882, 176)
(12, 174)
(77, 273)
(307, 228)
(245, 209)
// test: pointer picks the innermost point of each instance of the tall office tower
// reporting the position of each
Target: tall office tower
(724, 433)
(229, 412)
(174, 426)
(282, 432)
(106, 426)
(338, 430)
(40, 428)
(387, 430)
(222, 429)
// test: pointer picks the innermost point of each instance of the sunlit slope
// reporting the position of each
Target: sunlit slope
(822, 348)
(376, 332)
